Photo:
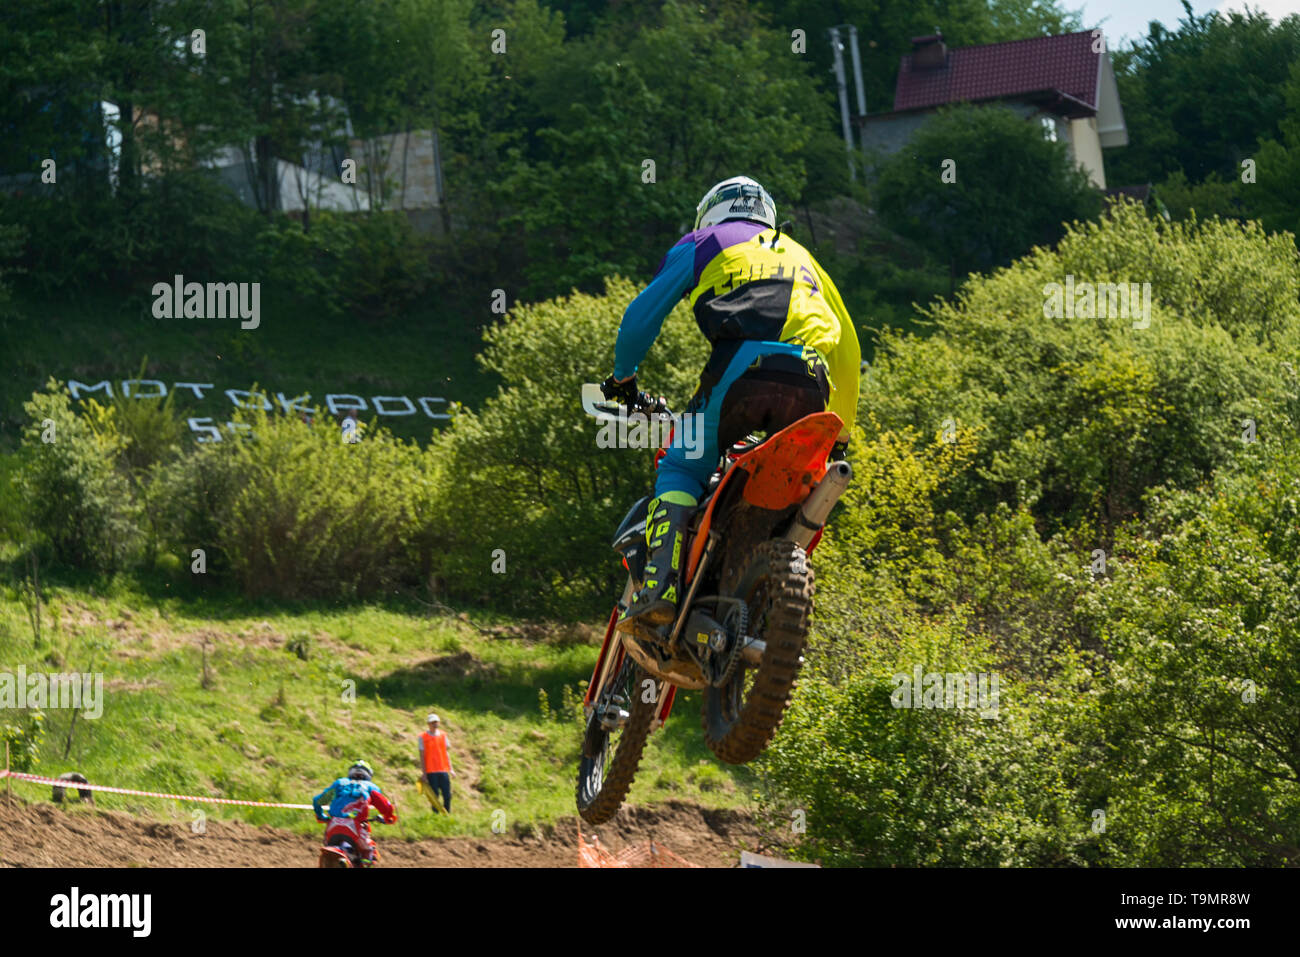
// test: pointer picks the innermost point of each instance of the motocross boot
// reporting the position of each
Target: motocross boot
(655, 604)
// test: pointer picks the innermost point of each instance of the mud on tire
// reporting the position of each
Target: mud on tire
(741, 718)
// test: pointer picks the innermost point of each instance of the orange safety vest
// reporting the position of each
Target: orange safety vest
(435, 752)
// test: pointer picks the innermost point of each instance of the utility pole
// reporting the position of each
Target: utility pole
(857, 82)
(837, 49)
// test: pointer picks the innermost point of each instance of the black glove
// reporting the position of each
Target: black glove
(838, 451)
(625, 392)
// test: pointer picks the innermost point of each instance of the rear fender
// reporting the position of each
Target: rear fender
(779, 473)
(783, 470)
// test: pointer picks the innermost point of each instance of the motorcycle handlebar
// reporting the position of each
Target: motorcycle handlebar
(368, 820)
(651, 404)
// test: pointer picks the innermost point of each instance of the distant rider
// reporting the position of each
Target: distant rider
(784, 347)
(350, 800)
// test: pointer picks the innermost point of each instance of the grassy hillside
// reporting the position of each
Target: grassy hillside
(274, 724)
(426, 352)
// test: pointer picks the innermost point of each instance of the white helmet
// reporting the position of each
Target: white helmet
(736, 198)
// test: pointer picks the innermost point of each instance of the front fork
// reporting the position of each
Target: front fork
(610, 661)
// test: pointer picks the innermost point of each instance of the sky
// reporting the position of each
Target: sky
(1128, 19)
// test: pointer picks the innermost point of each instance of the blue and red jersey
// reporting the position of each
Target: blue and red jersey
(350, 797)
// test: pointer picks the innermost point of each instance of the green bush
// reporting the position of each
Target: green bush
(185, 222)
(881, 785)
(1211, 197)
(1077, 418)
(150, 430)
(892, 552)
(346, 264)
(903, 582)
(13, 518)
(525, 474)
(11, 244)
(23, 734)
(293, 511)
(73, 495)
(190, 498)
(1145, 709)
(146, 433)
(1202, 623)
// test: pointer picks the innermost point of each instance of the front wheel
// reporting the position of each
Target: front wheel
(616, 734)
(741, 717)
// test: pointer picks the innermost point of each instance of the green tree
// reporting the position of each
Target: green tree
(47, 53)
(1201, 97)
(401, 66)
(1199, 706)
(1274, 196)
(1213, 196)
(588, 204)
(980, 186)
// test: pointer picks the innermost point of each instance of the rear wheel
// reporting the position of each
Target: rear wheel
(610, 755)
(741, 717)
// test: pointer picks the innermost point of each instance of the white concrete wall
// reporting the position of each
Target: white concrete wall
(1085, 146)
(408, 162)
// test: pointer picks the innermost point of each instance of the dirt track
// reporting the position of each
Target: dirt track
(46, 835)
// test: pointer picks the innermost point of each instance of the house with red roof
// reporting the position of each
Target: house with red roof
(1065, 83)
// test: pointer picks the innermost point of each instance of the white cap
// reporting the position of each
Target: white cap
(432, 718)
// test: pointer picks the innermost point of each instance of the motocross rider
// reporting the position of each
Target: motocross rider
(351, 797)
(783, 347)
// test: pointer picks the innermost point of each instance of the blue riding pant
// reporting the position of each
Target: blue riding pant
(693, 454)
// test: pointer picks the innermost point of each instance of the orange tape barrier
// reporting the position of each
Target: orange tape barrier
(649, 854)
(76, 786)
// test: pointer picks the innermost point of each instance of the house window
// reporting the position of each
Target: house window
(1049, 128)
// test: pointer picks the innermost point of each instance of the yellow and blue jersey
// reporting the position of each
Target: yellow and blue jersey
(748, 282)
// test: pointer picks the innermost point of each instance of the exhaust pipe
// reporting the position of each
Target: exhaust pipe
(817, 506)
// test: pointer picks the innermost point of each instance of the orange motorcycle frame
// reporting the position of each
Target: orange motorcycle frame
(780, 472)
